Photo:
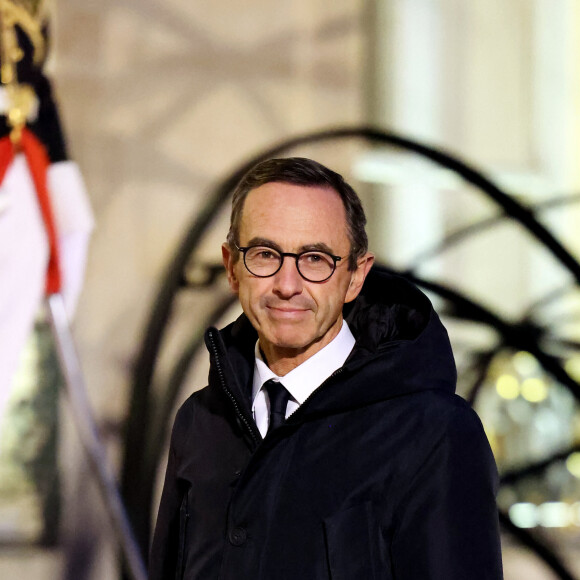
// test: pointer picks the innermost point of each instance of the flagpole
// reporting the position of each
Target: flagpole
(89, 436)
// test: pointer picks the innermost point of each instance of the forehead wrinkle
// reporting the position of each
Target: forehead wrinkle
(298, 218)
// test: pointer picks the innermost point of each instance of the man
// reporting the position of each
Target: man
(329, 442)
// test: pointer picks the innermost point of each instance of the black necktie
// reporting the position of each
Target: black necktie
(279, 398)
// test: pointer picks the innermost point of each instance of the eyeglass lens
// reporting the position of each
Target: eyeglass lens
(314, 266)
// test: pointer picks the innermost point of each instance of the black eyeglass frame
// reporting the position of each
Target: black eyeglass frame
(335, 259)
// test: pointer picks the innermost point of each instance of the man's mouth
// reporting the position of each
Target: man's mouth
(287, 312)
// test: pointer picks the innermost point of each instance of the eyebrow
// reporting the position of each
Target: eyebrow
(316, 247)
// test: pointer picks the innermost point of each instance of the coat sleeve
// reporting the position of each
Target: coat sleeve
(446, 526)
(164, 549)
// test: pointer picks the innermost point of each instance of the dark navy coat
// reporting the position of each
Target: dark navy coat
(383, 473)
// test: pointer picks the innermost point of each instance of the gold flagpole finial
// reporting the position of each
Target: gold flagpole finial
(29, 16)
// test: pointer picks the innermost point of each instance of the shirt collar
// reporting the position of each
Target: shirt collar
(308, 376)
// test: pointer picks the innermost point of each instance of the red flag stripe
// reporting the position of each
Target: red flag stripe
(38, 163)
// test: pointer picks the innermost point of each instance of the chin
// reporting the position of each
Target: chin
(292, 341)
(291, 344)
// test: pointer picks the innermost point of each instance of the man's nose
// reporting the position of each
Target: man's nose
(287, 281)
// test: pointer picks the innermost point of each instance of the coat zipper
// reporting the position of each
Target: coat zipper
(231, 396)
(250, 425)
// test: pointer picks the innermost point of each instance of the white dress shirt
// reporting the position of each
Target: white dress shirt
(302, 381)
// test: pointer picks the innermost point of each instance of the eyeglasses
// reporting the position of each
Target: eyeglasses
(312, 265)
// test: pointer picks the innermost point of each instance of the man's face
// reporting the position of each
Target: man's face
(294, 318)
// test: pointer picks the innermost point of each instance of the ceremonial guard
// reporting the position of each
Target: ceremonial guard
(45, 215)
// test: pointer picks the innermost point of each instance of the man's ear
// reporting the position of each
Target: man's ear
(357, 279)
(229, 265)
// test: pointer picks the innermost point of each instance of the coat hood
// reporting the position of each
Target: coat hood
(401, 348)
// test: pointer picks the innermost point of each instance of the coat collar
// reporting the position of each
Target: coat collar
(401, 348)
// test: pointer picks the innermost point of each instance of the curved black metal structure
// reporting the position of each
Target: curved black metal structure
(145, 430)
(478, 227)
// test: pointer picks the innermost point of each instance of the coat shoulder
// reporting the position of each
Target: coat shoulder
(185, 415)
(449, 412)
(445, 425)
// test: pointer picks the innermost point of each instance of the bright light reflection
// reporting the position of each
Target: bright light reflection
(573, 464)
(507, 387)
(551, 514)
(534, 390)
(525, 363)
(554, 514)
(572, 367)
(523, 515)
